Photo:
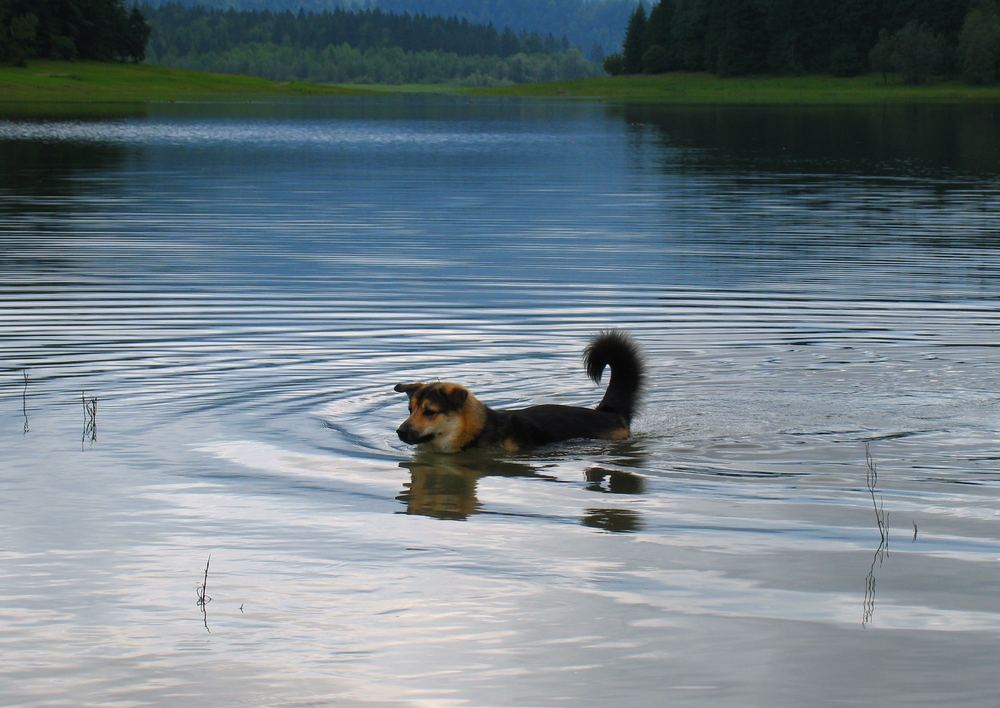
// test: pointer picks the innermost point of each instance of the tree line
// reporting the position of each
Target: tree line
(356, 46)
(593, 26)
(342, 63)
(71, 29)
(918, 39)
(197, 29)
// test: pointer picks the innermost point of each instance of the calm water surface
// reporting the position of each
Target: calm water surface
(238, 287)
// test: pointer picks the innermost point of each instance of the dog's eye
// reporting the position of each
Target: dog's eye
(429, 413)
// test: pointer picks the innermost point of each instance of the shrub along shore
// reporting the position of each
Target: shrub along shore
(96, 82)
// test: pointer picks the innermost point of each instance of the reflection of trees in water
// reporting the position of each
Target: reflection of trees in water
(444, 487)
(40, 181)
(37, 175)
(827, 142)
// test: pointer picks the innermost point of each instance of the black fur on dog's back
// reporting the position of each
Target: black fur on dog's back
(617, 350)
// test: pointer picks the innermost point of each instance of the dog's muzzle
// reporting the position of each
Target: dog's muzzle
(410, 436)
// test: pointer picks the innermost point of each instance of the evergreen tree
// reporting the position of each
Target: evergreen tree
(688, 29)
(137, 38)
(654, 60)
(742, 46)
(509, 44)
(658, 26)
(633, 46)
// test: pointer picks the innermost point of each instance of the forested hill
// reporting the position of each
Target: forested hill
(919, 39)
(356, 46)
(595, 27)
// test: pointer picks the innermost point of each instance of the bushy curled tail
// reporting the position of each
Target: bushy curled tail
(617, 350)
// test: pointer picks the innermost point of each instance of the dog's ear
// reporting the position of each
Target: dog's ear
(408, 388)
(456, 397)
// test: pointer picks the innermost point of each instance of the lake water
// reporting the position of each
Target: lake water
(238, 287)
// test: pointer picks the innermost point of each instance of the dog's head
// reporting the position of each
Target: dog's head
(439, 415)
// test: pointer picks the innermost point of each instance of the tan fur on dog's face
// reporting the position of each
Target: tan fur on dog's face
(443, 415)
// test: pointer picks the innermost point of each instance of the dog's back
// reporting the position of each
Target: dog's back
(550, 423)
(611, 419)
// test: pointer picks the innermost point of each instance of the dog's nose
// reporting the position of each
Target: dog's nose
(403, 432)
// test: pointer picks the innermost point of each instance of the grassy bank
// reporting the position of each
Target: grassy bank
(96, 82)
(90, 83)
(706, 88)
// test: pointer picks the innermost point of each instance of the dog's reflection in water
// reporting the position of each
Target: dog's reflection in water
(444, 487)
(614, 481)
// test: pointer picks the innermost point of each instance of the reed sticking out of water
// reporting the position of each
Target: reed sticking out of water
(204, 599)
(24, 401)
(89, 417)
(882, 519)
(871, 479)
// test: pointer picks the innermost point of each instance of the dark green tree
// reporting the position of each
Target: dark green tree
(880, 58)
(655, 60)
(614, 64)
(633, 46)
(845, 60)
(20, 38)
(658, 25)
(742, 44)
(509, 44)
(785, 28)
(918, 53)
(979, 44)
(137, 37)
(688, 29)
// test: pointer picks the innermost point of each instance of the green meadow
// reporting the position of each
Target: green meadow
(98, 82)
(48, 83)
(707, 88)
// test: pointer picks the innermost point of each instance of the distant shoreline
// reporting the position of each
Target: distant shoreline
(90, 83)
(703, 88)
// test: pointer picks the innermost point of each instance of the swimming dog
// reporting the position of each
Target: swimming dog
(448, 418)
